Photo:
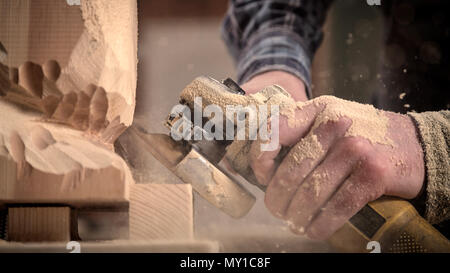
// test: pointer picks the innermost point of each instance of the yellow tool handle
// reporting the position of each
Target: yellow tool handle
(391, 225)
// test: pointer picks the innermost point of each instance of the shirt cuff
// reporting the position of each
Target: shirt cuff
(435, 139)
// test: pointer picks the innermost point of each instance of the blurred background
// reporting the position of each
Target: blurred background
(180, 40)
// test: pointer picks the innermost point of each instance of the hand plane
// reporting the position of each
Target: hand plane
(391, 222)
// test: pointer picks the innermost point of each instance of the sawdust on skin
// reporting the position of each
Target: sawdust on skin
(308, 147)
(367, 121)
(318, 178)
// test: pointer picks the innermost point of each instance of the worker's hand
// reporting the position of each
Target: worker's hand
(289, 82)
(343, 156)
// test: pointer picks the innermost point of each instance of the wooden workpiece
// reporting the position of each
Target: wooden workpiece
(94, 43)
(67, 91)
(149, 219)
(67, 86)
(42, 162)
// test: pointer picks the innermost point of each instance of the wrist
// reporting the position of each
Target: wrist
(409, 152)
(417, 155)
(292, 84)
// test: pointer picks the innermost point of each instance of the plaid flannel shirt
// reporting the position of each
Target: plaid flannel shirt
(265, 35)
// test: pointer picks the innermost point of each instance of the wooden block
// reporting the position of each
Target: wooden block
(161, 211)
(37, 224)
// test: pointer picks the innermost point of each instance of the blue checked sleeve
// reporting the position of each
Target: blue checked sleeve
(265, 35)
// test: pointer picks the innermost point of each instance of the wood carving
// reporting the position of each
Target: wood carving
(67, 91)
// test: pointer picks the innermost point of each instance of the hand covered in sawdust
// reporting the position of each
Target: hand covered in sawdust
(343, 155)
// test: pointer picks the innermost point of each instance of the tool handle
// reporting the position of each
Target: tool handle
(394, 225)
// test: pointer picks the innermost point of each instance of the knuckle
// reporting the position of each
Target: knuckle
(374, 166)
(341, 125)
(355, 147)
(375, 170)
(333, 128)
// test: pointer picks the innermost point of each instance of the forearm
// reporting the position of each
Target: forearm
(434, 130)
(276, 35)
